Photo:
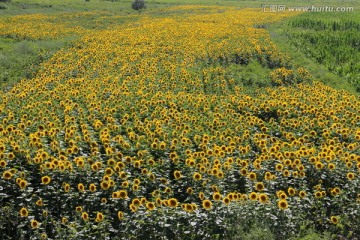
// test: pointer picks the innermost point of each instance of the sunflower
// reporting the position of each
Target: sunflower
(268, 176)
(349, 164)
(3, 163)
(78, 208)
(279, 167)
(7, 175)
(263, 198)
(173, 202)
(22, 183)
(162, 145)
(85, 216)
(177, 175)
(259, 186)
(135, 188)
(105, 185)
(136, 202)
(197, 176)
(286, 173)
(220, 174)
(99, 217)
(43, 236)
(226, 200)
(122, 194)
(319, 165)
(66, 187)
(253, 196)
(115, 195)
(108, 172)
(318, 194)
(45, 213)
(144, 171)
(39, 202)
(283, 204)
(337, 190)
(291, 191)
(243, 171)
(125, 184)
(80, 162)
(302, 194)
(34, 223)
(188, 208)
(350, 176)
(45, 180)
(207, 204)
(94, 167)
(133, 207)
(167, 190)
(331, 166)
(150, 206)
(158, 201)
(216, 196)
(334, 219)
(120, 215)
(92, 187)
(201, 195)
(81, 187)
(64, 220)
(24, 212)
(252, 176)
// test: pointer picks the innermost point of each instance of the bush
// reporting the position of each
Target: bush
(5, 0)
(138, 4)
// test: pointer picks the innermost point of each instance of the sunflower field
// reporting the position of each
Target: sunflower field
(139, 130)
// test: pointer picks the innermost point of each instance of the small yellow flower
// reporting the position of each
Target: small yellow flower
(120, 215)
(85, 216)
(24, 212)
(334, 219)
(45, 180)
(7, 175)
(207, 204)
(34, 224)
(99, 217)
(283, 204)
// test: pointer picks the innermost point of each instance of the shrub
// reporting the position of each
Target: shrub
(138, 4)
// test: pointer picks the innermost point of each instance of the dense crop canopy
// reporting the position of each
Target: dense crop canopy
(140, 119)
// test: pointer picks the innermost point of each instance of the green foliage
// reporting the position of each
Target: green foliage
(21, 59)
(333, 42)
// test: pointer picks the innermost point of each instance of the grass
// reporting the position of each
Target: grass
(331, 42)
(21, 59)
(299, 58)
